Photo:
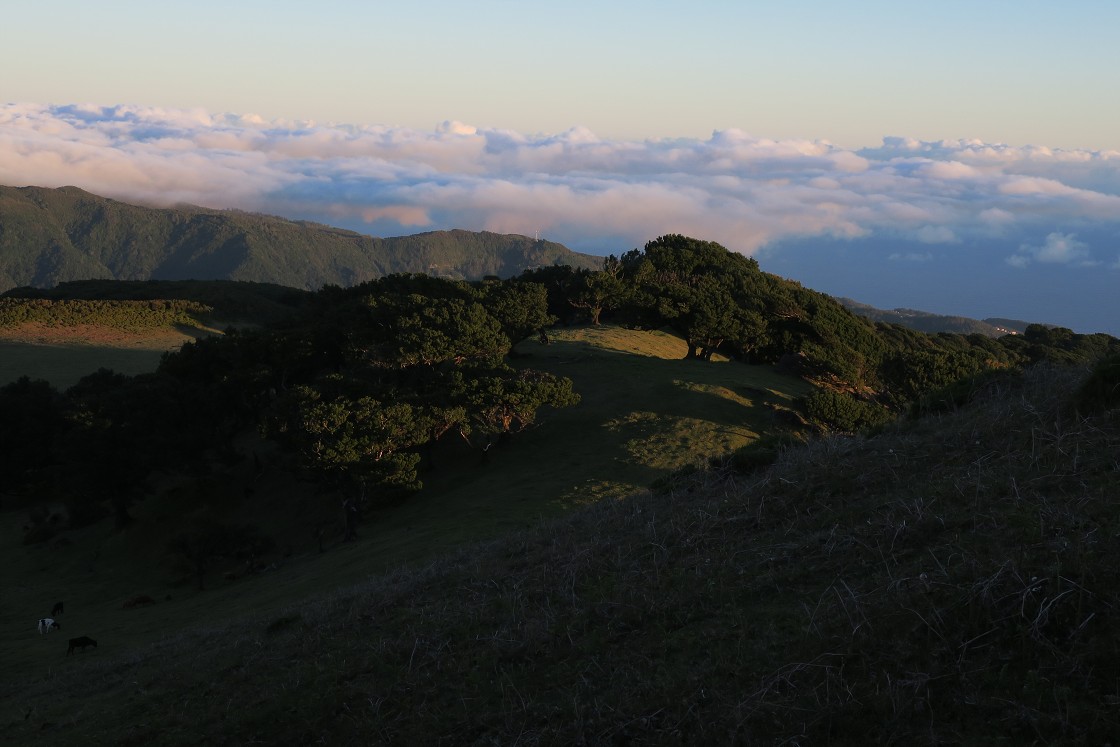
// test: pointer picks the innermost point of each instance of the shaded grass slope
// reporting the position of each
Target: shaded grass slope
(948, 580)
(64, 362)
(644, 414)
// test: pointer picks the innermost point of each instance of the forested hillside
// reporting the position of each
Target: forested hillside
(798, 586)
(949, 579)
(50, 236)
(362, 385)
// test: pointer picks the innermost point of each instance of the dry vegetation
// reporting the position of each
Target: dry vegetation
(96, 335)
(952, 580)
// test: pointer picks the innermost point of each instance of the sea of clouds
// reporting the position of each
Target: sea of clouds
(1021, 207)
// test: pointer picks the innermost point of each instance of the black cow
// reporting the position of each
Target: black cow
(81, 643)
(56, 610)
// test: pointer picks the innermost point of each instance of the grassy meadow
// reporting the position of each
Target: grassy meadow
(644, 413)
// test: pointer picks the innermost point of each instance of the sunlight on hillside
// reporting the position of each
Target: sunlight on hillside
(653, 343)
(666, 443)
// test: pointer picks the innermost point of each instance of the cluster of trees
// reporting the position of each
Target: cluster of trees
(721, 302)
(360, 384)
(378, 373)
(718, 302)
(358, 387)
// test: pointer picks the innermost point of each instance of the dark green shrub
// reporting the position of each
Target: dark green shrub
(677, 478)
(83, 510)
(39, 533)
(961, 392)
(1101, 390)
(282, 623)
(44, 525)
(842, 412)
(762, 453)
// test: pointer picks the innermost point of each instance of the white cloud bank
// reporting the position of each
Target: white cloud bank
(741, 191)
(1057, 249)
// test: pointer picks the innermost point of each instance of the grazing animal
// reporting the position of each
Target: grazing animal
(80, 642)
(47, 624)
(137, 601)
(56, 610)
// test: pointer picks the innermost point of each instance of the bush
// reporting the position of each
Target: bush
(963, 391)
(44, 525)
(677, 479)
(842, 412)
(39, 533)
(82, 511)
(762, 453)
(1101, 390)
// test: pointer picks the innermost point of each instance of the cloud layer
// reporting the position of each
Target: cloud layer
(1033, 205)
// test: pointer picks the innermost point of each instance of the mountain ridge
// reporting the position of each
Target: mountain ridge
(54, 235)
(926, 321)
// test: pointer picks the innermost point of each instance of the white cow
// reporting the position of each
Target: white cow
(47, 624)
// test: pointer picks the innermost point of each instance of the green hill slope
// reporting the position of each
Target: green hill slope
(644, 414)
(949, 580)
(862, 588)
(51, 236)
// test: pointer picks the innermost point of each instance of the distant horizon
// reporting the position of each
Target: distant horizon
(958, 158)
(839, 297)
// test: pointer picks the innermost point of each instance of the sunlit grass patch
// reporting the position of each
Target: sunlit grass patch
(668, 443)
(723, 392)
(592, 491)
(651, 343)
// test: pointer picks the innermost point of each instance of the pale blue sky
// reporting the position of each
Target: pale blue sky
(1023, 72)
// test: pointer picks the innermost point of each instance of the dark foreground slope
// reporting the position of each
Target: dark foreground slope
(950, 580)
(50, 236)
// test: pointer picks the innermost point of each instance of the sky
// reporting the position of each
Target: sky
(954, 157)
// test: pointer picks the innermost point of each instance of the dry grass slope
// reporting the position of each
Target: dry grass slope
(949, 580)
